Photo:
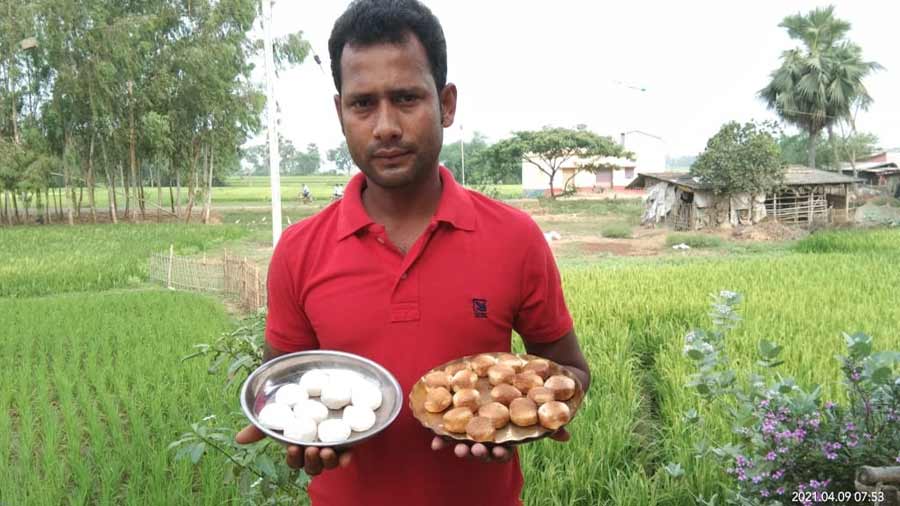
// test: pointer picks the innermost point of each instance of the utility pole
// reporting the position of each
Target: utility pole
(271, 111)
(462, 153)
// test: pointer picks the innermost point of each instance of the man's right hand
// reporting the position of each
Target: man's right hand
(312, 459)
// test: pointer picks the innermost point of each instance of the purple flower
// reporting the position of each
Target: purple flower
(780, 491)
(778, 474)
(764, 403)
(757, 479)
(829, 405)
(850, 426)
(764, 493)
(771, 456)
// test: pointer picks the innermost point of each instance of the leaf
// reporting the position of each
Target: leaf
(266, 466)
(674, 470)
(695, 354)
(197, 452)
(881, 375)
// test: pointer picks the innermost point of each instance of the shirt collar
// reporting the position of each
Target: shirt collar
(455, 206)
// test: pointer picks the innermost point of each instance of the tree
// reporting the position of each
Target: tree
(740, 159)
(451, 157)
(820, 83)
(550, 148)
(341, 158)
(831, 153)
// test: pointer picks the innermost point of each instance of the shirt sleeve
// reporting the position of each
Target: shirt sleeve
(543, 316)
(287, 327)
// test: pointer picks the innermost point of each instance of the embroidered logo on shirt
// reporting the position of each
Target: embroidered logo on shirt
(479, 308)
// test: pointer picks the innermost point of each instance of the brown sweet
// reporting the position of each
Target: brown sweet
(499, 373)
(437, 379)
(504, 393)
(456, 419)
(480, 429)
(455, 368)
(497, 413)
(463, 379)
(541, 395)
(523, 412)
(525, 381)
(437, 400)
(482, 363)
(539, 366)
(510, 360)
(554, 415)
(563, 387)
(468, 398)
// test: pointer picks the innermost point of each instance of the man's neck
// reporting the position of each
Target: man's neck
(398, 206)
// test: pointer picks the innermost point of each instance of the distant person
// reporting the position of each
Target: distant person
(429, 270)
(305, 194)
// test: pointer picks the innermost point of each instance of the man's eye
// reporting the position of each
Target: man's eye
(363, 102)
(405, 99)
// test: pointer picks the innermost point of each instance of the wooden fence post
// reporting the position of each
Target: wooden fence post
(256, 286)
(171, 261)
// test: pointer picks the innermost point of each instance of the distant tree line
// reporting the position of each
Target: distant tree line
(125, 97)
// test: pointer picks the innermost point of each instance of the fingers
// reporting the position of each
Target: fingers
(345, 458)
(562, 435)
(312, 462)
(294, 457)
(329, 458)
(501, 454)
(461, 450)
(437, 444)
(249, 434)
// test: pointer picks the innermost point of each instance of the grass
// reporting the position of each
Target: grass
(695, 240)
(616, 231)
(631, 317)
(54, 259)
(92, 391)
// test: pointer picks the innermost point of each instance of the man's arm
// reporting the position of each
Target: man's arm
(564, 351)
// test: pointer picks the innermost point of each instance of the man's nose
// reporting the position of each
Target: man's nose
(387, 126)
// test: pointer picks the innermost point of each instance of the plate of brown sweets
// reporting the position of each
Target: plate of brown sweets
(501, 398)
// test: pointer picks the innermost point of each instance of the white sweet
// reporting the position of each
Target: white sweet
(302, 429)
(366, 395)
(311, 409)
(359, 418)
(290, 394)
(275, 416)
(313, 382)
(336, 394)
(334, 430)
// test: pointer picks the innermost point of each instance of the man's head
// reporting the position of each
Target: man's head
(389, 62)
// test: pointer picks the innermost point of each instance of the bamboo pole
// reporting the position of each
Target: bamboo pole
(171, 261)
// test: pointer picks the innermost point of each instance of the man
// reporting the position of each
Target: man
(410, 270)
(306, 195)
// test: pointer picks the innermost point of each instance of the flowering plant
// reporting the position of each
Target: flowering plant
(788, 439)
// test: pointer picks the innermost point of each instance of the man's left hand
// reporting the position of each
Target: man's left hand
(499, 453)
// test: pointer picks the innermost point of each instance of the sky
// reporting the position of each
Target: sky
(525, 64)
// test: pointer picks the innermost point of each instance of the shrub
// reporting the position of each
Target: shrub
(789, 441)
(616, 230)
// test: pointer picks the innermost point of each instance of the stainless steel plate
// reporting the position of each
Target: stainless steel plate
(265, 380)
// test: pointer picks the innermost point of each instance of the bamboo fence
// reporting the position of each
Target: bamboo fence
(230, 276)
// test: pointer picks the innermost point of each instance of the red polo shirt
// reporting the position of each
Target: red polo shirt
(480, 270)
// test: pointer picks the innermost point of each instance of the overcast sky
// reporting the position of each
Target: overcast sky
(524, 64)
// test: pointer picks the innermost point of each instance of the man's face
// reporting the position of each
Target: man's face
(391, 113)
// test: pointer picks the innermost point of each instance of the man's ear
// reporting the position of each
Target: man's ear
(337, 108)
(448, 104)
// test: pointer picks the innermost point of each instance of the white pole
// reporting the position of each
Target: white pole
(274, 160)
(462, 153)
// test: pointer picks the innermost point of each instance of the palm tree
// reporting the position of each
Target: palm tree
(820, 83)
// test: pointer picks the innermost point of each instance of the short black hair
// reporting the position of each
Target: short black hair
(370, 22)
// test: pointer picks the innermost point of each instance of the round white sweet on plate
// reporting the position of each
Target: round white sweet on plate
(359, 418)
(290, 394)
(334, 430)
(302, 429)
(311, 409)
(366, 395)
(313, 382)
(336, 394)
(275, 416)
